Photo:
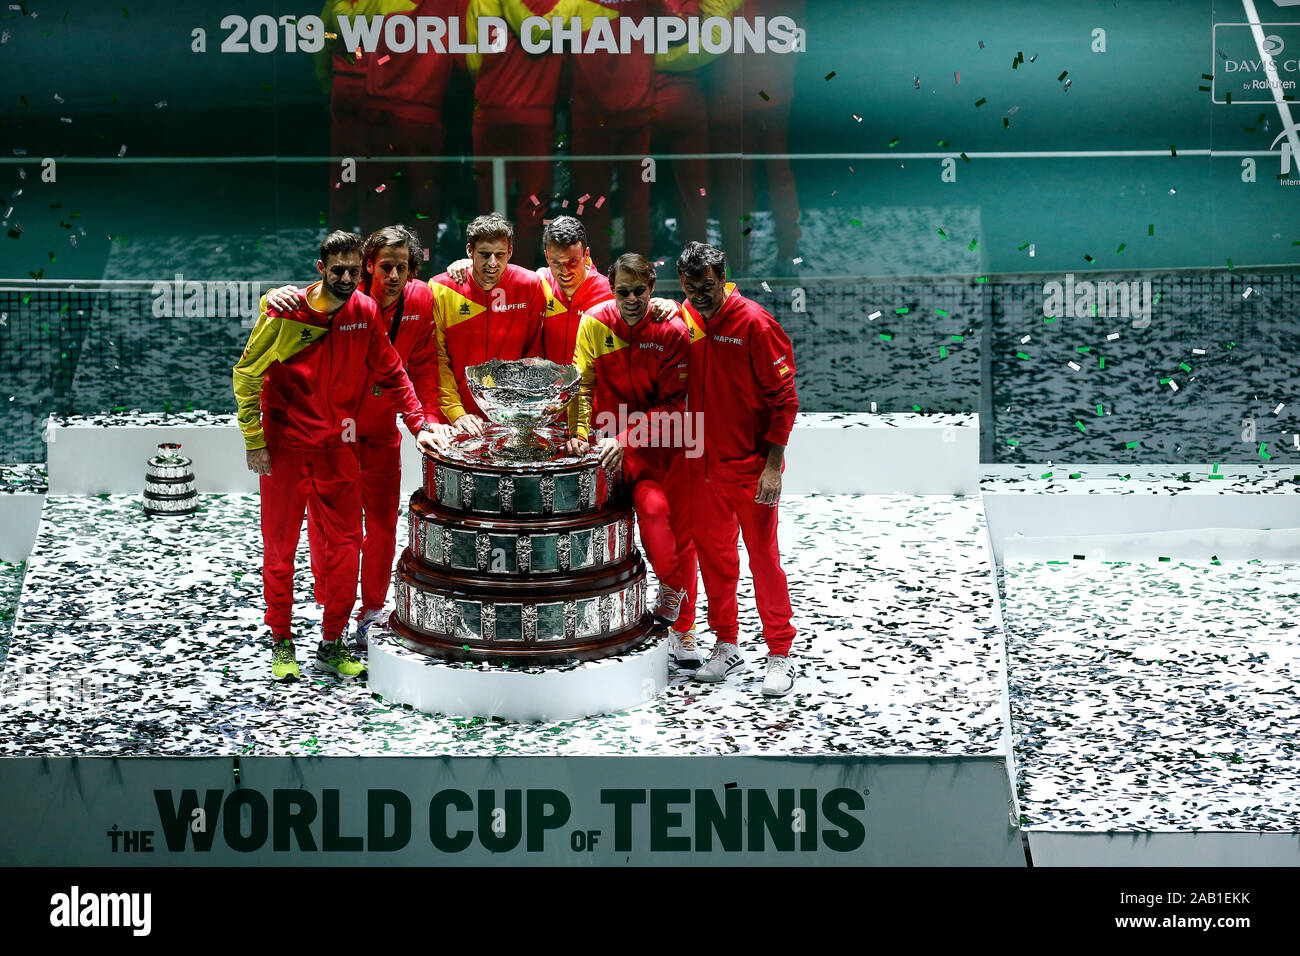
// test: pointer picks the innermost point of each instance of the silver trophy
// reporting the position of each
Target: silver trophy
(526, 401)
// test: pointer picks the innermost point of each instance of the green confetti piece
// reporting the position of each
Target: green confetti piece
(916, 408)
(1151, 229)
(855, 222)
(1006, 123)
(1227, 97)
(126, 14)
(1207, 76)
(1085, 348)
(1050, 318)
(1159, 296)
(1216, 466)
(1230, 345)
(1064, 74)
(1100, 411)
(973, 244)
(982, 279)
(1165, 381)
(1048, 474)
(1082, 427)
(1262, 453)
(965, 157)
(1203, 89)
(1173, 150)
(830, 75)
(981, 101)
(943, 352)
(1013, 442)
(1121, 248)
(1021, 355)
(943, 142)
(1077, 474)
(1133, 444)
(885, 336)
(1088, 258)
(764, 95)
(958, 338)
(942, 233)
(1184, 366)
(894, 142)
(1022, 247)
(1214, 476)
(1162, 559)
(1230, 265)
(941, 313)
(901, 310)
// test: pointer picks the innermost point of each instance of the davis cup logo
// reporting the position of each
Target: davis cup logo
(1273, 46)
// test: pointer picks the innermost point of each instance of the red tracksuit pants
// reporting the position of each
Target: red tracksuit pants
(380, 458)
(719, 511)
(661, 498)
(324, 484)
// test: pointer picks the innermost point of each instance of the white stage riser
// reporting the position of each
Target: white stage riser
(915, 454)
(1168, 848)
(1080, 514)
(20, 514)
(856, 812)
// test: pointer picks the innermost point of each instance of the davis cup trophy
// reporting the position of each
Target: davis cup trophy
(518, 552)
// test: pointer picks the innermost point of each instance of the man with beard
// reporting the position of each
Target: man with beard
(741, 383)
(391, 261)
(308, 369)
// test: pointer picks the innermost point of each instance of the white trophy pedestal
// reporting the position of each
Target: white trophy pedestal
(532, 693)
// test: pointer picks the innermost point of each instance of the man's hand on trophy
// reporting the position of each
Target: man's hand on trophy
(577, 447)
(611, 454)
(458, 271)
(661, 310)
(259, 461)
(283, 299)
(434, 437)
(471, 424)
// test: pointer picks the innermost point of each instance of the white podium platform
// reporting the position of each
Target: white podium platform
(828, 454)
(530, 694)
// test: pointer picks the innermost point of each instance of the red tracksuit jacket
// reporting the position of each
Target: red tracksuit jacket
(640, 368)
(311, 371)
(513, 87)
(413, 337)
(742, 383)
(615, 89)
(412, 85)
(473, 325)
(563, 315)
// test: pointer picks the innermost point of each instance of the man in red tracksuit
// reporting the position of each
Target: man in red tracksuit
(573, 285)
(496, 312)
(742, 382)
(391, 260)
(634, 391)
(308, 369)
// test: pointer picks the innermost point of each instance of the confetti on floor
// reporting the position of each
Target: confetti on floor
(1148, 695)
(893, 596)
